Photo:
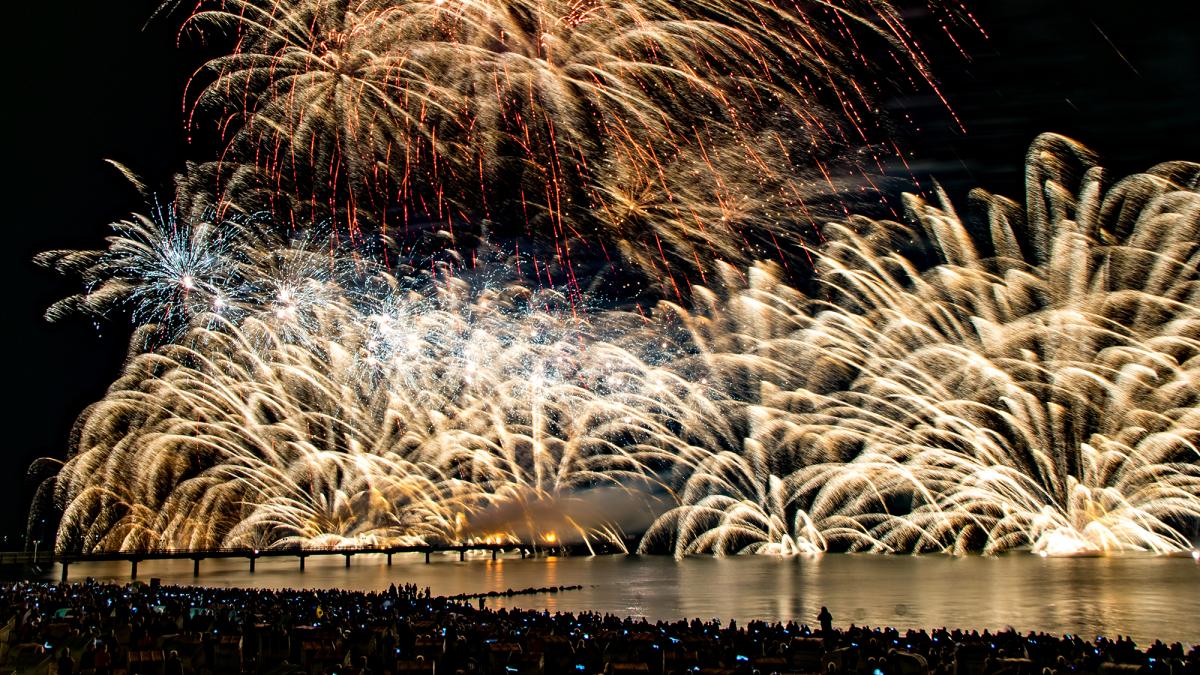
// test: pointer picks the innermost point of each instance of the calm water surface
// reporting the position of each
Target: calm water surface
(1146, 597)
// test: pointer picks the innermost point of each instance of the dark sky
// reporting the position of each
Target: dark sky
(86, 82)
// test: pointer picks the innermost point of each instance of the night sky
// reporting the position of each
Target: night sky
(92, 81)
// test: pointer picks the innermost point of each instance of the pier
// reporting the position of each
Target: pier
(251, 555)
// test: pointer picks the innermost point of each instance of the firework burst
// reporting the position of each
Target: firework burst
(1037, 387)
(163, 269)
(597, 128)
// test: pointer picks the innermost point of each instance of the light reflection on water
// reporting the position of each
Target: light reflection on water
(1146, 597)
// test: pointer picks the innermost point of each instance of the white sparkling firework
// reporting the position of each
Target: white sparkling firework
(1035, 388)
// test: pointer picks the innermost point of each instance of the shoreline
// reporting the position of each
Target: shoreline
(349, 631)
(1145, 596)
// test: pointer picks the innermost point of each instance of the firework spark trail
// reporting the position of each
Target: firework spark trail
(164, 267)
(1038, 387)
(1001, 399)
(393, 426)
(559, 119)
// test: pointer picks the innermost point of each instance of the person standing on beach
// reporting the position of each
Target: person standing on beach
(173, 665)
(826, 621)
(66, 665)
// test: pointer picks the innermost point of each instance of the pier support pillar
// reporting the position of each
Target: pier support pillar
(195, 567)
(522, 553)
(252, 561)
(348, 559)
(302, 562)
(493, 554)
(389, 560)
(63, 579)
(133, 569)
(426, 556)
(462, 554)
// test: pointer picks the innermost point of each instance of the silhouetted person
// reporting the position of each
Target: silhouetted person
(87, 661)
(826, 621)
(173, 666)
(103, 660)
(66, 666)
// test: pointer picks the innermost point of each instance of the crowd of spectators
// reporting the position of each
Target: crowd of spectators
(108, 629)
